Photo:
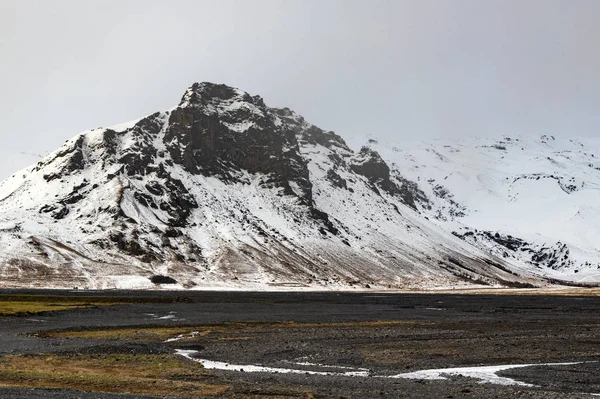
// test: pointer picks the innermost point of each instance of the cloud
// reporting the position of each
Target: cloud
(385, 68)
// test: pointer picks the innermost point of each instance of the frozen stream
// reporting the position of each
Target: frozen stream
(485, 374)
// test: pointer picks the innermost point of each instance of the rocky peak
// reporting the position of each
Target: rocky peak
(369, 163)
(290, 117)
(207, 93)
(220, 131)
(307, 132)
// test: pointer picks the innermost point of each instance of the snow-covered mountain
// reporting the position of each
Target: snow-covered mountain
(222, 191)
(533, 201)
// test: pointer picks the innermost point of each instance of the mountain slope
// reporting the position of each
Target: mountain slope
(224, 192)
(532, 201)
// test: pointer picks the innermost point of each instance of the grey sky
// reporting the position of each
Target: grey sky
(425, 68)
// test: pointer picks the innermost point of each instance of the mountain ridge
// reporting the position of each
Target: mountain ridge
(222, 191)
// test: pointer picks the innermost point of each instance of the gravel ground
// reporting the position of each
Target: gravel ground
(341, 329)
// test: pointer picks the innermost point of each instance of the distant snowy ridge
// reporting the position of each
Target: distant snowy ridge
(532, 201)
(223, 192)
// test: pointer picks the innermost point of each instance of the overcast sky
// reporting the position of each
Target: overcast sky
(423, 68)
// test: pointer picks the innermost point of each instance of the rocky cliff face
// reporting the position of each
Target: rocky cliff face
(224, 192)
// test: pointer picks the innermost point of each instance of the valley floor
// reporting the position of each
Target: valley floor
(129, 344)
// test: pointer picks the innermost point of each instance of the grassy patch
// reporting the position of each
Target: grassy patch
(27, 308)
(26, 305)
(29, 304)
(99, 299)
(159, 334)
(148, 334)
(139, 374)
(160, 374)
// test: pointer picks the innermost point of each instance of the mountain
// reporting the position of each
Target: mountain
(222, 191)
(533, 201)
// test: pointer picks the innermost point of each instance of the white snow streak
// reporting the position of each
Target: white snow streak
(485, 374)
(211, 364)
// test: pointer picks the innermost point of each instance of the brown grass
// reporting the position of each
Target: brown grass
(26, 308)
(170, 375)
(122, 373)
(162, 333)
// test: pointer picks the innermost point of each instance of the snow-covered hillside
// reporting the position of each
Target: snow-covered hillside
(222, 191)
(533, 201)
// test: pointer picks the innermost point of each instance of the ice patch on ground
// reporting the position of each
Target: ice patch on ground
(486, 374)
(183, 336)
(249, 368)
